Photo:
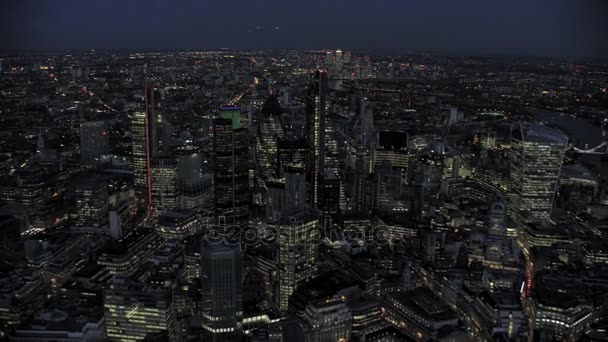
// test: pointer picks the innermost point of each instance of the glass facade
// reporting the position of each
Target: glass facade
(537, 154)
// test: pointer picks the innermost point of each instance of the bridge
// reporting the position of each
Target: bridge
(599, 149)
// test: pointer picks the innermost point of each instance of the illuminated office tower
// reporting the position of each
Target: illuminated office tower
(275, 199)
(339, 62)
(298, 251)
(287, 193)
(366, 117)
(392, 147)
(222, 306)
(316, 133)
(140, 127)
(537, 154)
(331, 144)
(92, 204)
(270, 129)
(329, 198)
(144, 131)
(194, 183)
(165, 185)
(295, 186)
(93, 141)
(329, 60)
(231, 174)
(289, 151)
(135, 310)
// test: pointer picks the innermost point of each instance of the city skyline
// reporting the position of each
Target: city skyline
(541, 28)
(305, 184)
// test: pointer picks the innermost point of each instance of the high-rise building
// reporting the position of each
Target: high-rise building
(270, 130)
(93, 141)
(231, 175)
(275, 200)
(222, 307)
(134, 310)
(289, 151)
(144, 130)
(195, 184)
(331, 144)
(329, 198)
(366, 117)
(121, 220)
(287, 193)
(537, 154)
(321, 134)
(165, 186)
(140, 129)
(295, 186)
(392, 147)
(92, 204)
(298, 251)
(339, 62)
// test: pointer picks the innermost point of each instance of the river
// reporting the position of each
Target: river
(583, 133)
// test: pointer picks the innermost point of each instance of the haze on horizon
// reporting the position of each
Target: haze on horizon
(559, 28)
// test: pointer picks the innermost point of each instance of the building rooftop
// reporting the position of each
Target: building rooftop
(426, 304)
(534, 132)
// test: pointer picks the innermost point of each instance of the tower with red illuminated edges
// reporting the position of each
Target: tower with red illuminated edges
(144, 129)
(231, 169)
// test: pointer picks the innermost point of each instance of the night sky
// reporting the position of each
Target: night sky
(514, 27)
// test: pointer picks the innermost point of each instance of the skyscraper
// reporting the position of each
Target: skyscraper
(93, 141)
(392, 147)
(222, 307)
(339, 63)
(537, 154)
(287, 193)
(366, 116)
(144, 129)
(289, 151)
(298, 251)
(295, 186)
(231, 174)
(165, 185)
(92, 202)
(329, 198)
(316, 133)
(195, 184)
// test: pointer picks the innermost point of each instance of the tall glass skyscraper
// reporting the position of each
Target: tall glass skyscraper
(222, 306)
(537, 154)
(165, 185)
(231, 175)
(91, 202)
(145, 145)
(316, 121)
(298, 250)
